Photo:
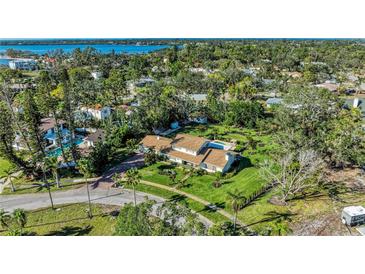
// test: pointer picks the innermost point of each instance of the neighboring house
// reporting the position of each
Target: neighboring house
(200, 70)
(18, 143)
(96, 75)
(191, 150)
(200, 119)
(49, 129)
(98, 112)
(23, 64)
(273, 102)
(142, 82)
(329, 86)
(199, 97)
(93, 138)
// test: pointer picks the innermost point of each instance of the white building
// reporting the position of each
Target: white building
(23, 64)
(96, 75)
(97, 112)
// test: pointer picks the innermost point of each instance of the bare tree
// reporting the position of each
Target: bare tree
(292, 173)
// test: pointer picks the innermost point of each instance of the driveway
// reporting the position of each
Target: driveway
(136, 161)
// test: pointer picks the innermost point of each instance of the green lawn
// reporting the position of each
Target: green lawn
(193, 205)
(259, 215)
(71, 220)
(247, 179)
(4, 165)
(23, 186)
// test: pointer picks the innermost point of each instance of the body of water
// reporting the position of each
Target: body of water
(103, 48)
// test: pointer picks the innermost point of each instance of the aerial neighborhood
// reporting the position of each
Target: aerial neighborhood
(229, 137)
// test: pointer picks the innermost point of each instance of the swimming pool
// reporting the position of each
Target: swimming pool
(58, 152)
(220, 145)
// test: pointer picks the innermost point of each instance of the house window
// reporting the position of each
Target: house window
(214, 168)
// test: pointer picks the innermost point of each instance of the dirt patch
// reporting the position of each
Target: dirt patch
(353, 178)
(326, 225)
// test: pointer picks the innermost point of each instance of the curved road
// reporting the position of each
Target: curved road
(110, 196)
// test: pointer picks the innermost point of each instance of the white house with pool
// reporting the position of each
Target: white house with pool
(198, 152)
(49, 130)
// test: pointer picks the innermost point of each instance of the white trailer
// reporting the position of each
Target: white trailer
(353, 215)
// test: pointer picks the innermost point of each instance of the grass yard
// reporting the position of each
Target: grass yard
(70, 220)
(322, 210)
(4, 165)
(247, 179)
(24, 186)
(193, 205)
(317, 215)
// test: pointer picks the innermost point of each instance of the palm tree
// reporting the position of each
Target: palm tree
(181, 183)
(46, 183)
(20, 217)
(85, 168)
(52, 164)
(4, 218)
(218, 180)
(172, 175)
(237, 200)
(9, 176)
(133, 178)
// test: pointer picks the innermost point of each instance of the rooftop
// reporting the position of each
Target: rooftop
(156, 142)
(98, 135)
(48, 123)
(199, 96)
(274, 101)
(190, 142)
(329, 86)
(354, 210)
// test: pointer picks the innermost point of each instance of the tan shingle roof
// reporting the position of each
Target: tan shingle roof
(215, 157)
(186, 157)
(48, 123)
(156, 142)
(98, 135)
(211, 156)
(189, 142)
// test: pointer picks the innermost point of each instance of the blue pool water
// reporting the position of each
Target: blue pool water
(103, 48)
(58, 152)
(216, 145)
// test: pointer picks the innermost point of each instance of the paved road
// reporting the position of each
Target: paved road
(98, 196)
(112, 196)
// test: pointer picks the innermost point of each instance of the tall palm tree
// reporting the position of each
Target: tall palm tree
(133, 178)
(172, 175)
(85, 169)
(9, 176)
(46, 183)
(237, 200)
(53, 165)
(20, 217)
